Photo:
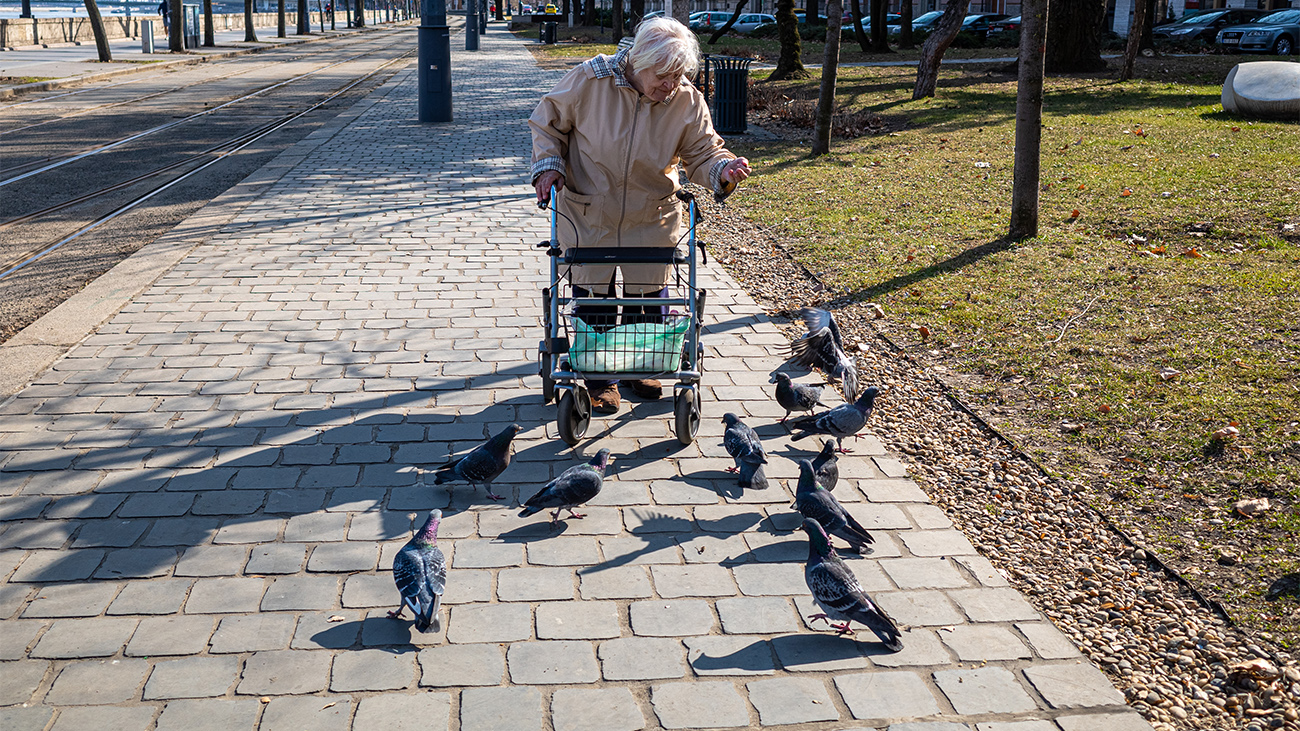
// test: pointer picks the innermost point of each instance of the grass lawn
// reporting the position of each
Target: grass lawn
(1160, 303)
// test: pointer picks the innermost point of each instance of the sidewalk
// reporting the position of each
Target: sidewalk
(66, 64)
(203, 498)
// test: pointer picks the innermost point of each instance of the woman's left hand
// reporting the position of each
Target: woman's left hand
(736, 170)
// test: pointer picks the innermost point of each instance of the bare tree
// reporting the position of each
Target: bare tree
(682, 11)
(879, 26)
(790, 64)
(304, 18)
(209, 28)
(830, 67)
(615, 19)
(279, 19)
(250, 35)
(360, 14)
(905, 39)
(1134, 44)
(859, 35)
(175, 34)
(1074, 26)
(1029, 120)
(637, 11)
(97, 27)
(810, 13)
(927, 73)
(588, 13)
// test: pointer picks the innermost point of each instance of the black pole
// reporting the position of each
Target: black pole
(482, 17)
(27, 9)
(435, 62)
(471, 25)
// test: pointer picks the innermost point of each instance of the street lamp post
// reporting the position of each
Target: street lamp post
(471, 25)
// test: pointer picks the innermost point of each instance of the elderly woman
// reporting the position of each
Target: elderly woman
(610, 137)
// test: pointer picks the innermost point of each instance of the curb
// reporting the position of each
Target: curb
(33, 350)
(187, 60)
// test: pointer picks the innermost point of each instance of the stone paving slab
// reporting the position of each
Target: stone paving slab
(200, 502)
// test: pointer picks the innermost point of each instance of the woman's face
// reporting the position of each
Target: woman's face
(651, 84)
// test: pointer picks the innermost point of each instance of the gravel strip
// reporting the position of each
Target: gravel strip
(1176, 660)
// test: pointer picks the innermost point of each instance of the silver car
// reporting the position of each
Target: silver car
(749, 21)
(1274, 33)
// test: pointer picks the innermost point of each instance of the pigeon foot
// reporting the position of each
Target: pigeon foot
(494, 496)
(733, 470)
(815, 617)
(397, 614)
(841, 629)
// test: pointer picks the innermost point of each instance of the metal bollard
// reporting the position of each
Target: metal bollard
(146, 36)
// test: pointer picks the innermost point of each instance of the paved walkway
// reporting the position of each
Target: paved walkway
(202, 499)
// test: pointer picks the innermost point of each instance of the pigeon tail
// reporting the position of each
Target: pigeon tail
(529, 510)
(427, 621)
(878, 622)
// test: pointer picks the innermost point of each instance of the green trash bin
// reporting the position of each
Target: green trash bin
(730, 80)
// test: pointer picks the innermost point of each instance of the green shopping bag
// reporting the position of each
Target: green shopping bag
(644, 347)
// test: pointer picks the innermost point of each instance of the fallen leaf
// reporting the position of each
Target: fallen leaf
(1225, 434)
(264, 699)
(336, 618)
(910, 258)
(877, 312)
(924, 332)
(1125, 193)
(1082, 186)
(1240, 363)
(1070, 427)
(1169, 374)
(1192, 253)
(1074, 213)
(1104, 408)
(331, 704)
(1257, 668)
(1252, 507)
(1236, 129)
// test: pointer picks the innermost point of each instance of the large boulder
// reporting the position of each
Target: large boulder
(1263, 89)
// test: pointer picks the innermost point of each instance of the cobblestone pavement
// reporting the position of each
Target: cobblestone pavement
(202, 499)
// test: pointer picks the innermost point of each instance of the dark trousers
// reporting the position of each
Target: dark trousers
(605, 317)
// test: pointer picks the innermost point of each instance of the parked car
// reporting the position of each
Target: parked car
(923, 22)
(1203, 26)
(1276, 33)
(747, 22)
(890, 19)
(551, 9)
(978, 23)
(709, 20)
(1006, 25)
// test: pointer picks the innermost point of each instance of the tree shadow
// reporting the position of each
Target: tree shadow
(1287, 585)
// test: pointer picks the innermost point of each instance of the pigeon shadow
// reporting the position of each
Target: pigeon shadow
(534, 531)
(755, 657)
(1283, 586)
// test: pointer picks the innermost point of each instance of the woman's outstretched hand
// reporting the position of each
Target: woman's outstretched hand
(544, 183)
(736, 170)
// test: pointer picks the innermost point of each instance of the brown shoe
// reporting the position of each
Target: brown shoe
(605, 399)
(648, 389)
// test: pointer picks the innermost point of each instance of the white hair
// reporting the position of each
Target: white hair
(667, 46)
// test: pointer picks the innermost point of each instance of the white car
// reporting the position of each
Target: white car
(749, 21)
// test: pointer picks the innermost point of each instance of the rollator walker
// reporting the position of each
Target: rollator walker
(663, 347)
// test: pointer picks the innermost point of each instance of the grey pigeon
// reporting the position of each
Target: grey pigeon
(795, 396)
(837, 591)
(823, 348)
(845, 420)
(482, 465)
(573, 487)
(814, 502)
(826, 465)
(744, 446)
(420, 572)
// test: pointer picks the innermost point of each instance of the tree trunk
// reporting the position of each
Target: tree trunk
(250, 35)
(589, 13)
(176, 34)
(1029, 120)
(682, 11)
(359, 14)
(304, 18)
(879, 26)
(810, 13)
(927, 73)
(209, 29)
(616, 19)
(279, 19)
(1153, 19)
(637, 11)
(905, 39)
(97, 27)
(740, 8)
(1074, 36)
(1134, 40)
(790, 64)
(830, 66)
(859, 35)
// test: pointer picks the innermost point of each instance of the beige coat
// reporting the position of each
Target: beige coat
(620, 152)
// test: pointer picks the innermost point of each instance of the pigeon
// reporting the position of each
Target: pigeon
(484, 464)
(837, 591)
(823, 348)
(743, 445)
(420, 572)
(845, 420)
(795, 396)
(573, 487)
(814, 502)
(826, 466)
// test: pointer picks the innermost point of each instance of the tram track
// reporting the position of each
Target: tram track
(82, 154)
(152, 95)
(93, 207)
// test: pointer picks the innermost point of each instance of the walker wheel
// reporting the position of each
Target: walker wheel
(574, 415)
(688, 415)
